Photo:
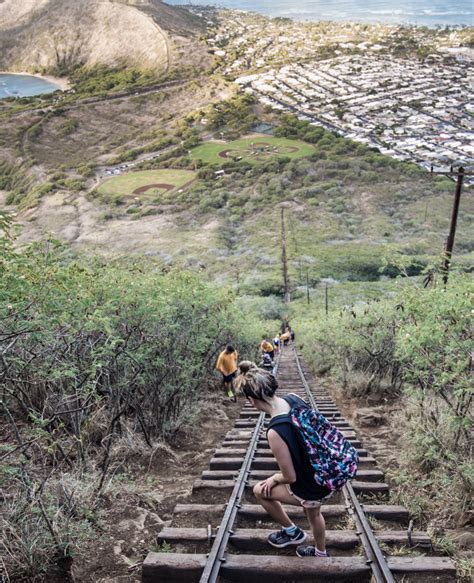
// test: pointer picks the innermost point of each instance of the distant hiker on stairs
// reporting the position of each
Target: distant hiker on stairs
(227, 366)
(267, 348)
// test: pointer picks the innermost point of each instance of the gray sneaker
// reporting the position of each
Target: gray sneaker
(308, 551)
(281, 539)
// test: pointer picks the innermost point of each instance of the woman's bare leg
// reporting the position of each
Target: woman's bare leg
(318, 526)
(273, 505)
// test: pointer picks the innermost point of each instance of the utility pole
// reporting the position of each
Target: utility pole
(284, 260)
(326, 299)
(307, 286)
(452, 228)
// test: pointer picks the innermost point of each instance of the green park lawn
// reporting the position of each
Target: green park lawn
(254, 149)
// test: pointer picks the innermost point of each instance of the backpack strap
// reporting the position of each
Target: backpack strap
(295, 401)
(275, 421)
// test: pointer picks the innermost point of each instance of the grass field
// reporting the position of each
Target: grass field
(254, 149)
(147, 185)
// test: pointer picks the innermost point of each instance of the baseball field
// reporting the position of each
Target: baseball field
(254, 149)
(147, 185)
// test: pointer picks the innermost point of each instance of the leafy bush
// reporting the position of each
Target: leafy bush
(101, 79)
(12, 177)
(91, 348)
(235, 114)
(74, 184)
(434, 343)
(358, 340)
(86, 170)
(68, 127)
(417, 344)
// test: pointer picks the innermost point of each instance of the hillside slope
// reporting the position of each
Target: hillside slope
(56, 35)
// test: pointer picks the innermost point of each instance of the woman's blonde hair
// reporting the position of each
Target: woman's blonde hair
(255, 382)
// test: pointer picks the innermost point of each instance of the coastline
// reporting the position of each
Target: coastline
(343, 12)
(62, 82)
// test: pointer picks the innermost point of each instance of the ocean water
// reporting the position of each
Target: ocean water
(24, 86)
(420, 12)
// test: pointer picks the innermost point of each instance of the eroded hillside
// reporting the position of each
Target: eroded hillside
(54, 36)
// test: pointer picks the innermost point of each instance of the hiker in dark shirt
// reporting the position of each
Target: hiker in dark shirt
(294, 483)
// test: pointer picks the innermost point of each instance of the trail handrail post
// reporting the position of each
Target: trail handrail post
(326, 299)
(452, 228)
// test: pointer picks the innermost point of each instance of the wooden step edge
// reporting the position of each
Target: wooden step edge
(435, 566)
(256, 539)
(263, 446)
(261, 474)
(183, 567)
(231, 463)
(248, 539)
(353, 441)
(361, 487)
(180, 567)
(172, 567)
(389, 512)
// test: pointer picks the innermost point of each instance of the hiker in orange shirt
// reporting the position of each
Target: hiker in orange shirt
(227, 366)
(285, 337)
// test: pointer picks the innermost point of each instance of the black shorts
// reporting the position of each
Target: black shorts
(230, 377)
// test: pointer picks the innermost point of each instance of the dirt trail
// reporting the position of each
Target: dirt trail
(151, 487)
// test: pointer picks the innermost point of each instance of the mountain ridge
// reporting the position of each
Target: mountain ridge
(55, 36)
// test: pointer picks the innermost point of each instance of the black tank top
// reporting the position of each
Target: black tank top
(305, 486)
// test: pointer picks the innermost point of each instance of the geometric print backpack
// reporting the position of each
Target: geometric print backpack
(333, 458)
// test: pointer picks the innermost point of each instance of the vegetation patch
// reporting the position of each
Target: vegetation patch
(254, 149)
(415, 345)
(124, 353)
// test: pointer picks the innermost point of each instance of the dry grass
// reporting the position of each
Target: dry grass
(48, 36)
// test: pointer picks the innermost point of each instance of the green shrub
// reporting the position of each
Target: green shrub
(101, 79)
(417, 344)
(68, 127)
(118, 345)
(235, 114)
(74, 184)
(86, 170)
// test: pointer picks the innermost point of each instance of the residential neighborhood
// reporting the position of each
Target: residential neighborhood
(407, 109)
(404, 90)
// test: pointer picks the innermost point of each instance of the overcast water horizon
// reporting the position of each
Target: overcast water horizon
(418, 12)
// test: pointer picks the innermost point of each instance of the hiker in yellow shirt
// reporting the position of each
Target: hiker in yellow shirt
(227, 366)
(267, 348)
(285, 337)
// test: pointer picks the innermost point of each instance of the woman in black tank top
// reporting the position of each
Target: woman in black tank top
(304, 486)
(294, 484)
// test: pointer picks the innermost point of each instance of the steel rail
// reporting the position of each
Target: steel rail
(216, 555)
(375, 558)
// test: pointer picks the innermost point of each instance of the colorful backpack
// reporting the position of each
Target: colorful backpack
(333, 458)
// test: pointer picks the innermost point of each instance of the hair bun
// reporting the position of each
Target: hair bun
(246, 365)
